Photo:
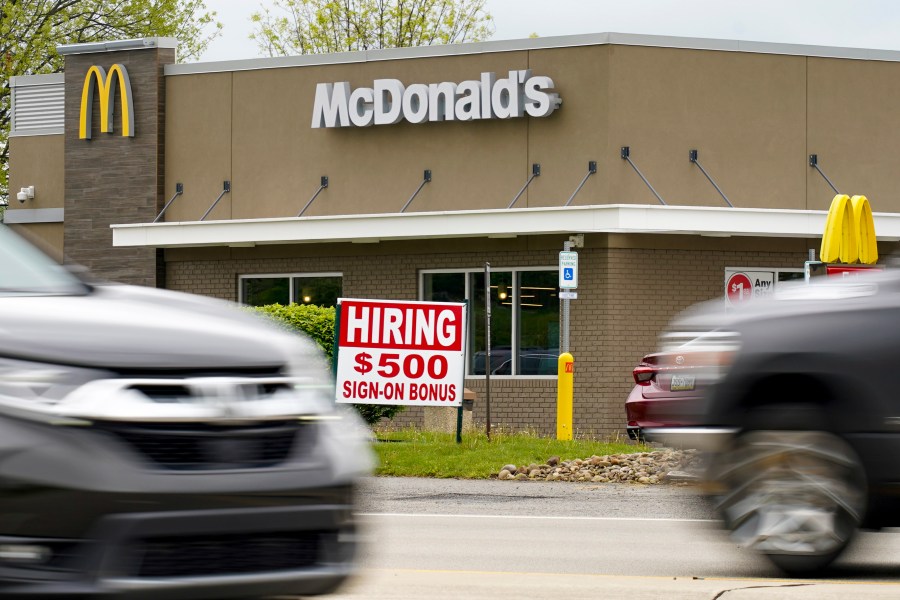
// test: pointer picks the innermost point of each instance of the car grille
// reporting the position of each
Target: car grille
(196, 446)
(225, 554)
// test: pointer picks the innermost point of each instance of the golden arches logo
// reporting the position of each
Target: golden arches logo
(98, 78)
(849, 232)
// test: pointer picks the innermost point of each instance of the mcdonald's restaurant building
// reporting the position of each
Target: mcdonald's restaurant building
(398, 174)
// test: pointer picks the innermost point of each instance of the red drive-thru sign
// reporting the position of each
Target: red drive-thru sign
(407, 353)
(849, 270)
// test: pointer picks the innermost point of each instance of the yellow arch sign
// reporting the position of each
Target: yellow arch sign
(849, 232)
(98, 78)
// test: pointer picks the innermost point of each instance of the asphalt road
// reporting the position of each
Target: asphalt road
(455, 539)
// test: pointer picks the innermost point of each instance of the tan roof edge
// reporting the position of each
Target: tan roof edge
(589, 39)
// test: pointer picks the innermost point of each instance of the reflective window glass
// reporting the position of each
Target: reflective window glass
(524, 317)
(501, 323)
(260, 291)
(538, 348)
(318, 291)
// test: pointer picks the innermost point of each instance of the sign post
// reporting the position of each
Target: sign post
(487, 348)
(568, 281)
(402, 353)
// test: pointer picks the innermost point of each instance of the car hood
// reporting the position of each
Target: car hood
(128, 327)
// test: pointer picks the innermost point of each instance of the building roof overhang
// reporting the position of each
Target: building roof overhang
(492, 223)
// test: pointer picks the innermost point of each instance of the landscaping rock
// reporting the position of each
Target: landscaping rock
(647, 468)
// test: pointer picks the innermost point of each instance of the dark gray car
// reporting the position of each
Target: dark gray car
(160, 445)
(803, 419)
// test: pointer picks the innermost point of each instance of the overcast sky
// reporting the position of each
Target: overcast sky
(853, 23)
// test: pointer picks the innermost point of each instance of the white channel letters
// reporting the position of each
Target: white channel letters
(389, 101)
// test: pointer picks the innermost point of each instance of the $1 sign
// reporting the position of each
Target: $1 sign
(738, 288)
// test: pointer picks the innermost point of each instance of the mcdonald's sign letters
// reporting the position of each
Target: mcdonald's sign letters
(849, 232)
(98, 78)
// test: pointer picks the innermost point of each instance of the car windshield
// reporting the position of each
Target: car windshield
(26, 271)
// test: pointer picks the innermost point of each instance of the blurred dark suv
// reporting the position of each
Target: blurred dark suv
(161, 445)
(804, 434)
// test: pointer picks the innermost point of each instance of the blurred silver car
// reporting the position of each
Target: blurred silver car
(803, 421)
(161, 445)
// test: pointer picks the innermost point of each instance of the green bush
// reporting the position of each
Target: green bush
(318, 323)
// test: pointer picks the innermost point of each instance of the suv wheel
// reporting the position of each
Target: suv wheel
(795, 496)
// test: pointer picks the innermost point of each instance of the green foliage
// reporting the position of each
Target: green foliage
(319, 26)
(315, 321)
(30, 31)
(318, 323)
(413, 453)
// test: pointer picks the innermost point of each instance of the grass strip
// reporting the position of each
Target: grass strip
(414, 453)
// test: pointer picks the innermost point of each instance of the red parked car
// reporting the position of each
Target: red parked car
(669, 388)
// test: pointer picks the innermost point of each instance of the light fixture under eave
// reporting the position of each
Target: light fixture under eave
(501, 292)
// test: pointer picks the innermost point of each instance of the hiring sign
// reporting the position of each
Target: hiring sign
(405, 353)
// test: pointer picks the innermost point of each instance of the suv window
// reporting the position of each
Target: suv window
(25, 271)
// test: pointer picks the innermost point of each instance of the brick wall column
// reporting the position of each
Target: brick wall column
(111, 178)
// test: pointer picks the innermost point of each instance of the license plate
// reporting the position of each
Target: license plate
(682, 383)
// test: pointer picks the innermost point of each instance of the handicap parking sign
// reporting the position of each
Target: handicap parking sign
(568, 270)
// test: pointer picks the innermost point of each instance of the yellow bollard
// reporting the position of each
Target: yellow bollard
(565, 372)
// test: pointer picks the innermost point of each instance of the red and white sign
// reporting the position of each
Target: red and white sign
(850, 270)
(407, 353)
(738, 288)
(741, 286)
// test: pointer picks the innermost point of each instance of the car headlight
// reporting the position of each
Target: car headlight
(39, 387)
(312, 379)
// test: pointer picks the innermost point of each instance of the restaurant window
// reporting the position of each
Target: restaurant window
(320, 289)
(524, 317)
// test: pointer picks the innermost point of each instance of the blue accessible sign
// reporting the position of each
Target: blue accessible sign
(568, 270)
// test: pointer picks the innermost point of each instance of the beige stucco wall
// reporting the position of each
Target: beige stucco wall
(744, 113)
(260, 129)
(854, 129)
(754, 118)
(198, 144)
(374, 169)
(38, 161)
